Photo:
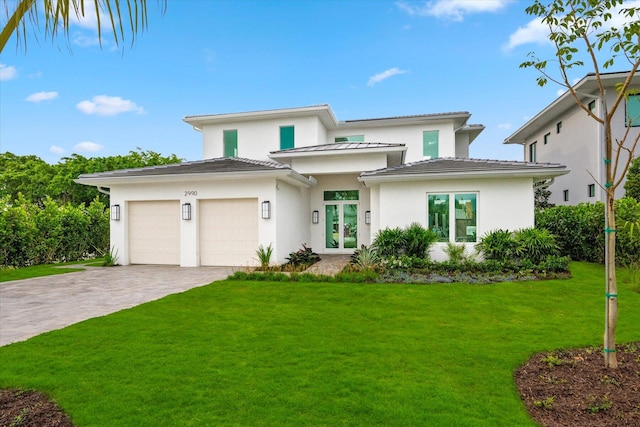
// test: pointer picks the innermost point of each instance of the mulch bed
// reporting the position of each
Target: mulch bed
(568, 388)
(29, 408)
(573, 388)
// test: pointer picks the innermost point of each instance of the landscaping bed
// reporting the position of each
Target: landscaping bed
(573, 388)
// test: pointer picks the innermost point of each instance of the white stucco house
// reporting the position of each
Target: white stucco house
(564, 133)
(298, 175)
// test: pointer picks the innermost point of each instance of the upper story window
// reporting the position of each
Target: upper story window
(558, 127)
(349, 138)
(533, 155)
(633, 111)
(565, 195)
(591, 189)
(430, 144)
(287, 137)
(546, 138)
(592, 105)
(230, 142)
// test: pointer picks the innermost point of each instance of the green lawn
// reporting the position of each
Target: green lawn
(46, 269)
(274, 354)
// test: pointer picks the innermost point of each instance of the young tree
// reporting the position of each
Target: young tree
(588, 23)
(121, 16)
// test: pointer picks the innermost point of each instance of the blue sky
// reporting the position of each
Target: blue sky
(364, 58)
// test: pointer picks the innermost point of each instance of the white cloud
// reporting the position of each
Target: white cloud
(104, 105)
(8, 72)
(41, 96)
(504, 126)
(88, 146)
(83, 40)
(384, 75)
(534, 32)
(537, 32)
(453, 10)
(56, 150)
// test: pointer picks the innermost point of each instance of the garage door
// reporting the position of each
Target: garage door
(228, 232)
(154, 232)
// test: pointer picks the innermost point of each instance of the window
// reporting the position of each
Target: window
(591, 188)
(230, 142)
(633, 111)
(533, 156)
(349, 138)
(592, 105)
(341, 195)
(463, 216)
(546, 138)
(430, 144)
(565, 195)
(287, 137)
(558, 127)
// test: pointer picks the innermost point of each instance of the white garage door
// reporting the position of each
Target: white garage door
(228, 232)
(154, 232)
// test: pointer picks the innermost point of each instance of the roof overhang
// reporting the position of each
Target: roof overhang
(323, 112)
(587, 90)
(459, 119)
(287, 175)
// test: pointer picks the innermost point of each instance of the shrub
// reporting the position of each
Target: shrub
(418, 240)
(304, 257)
(390, 242)
(497, 245)
(264, 256)
(456, 253)
(534, 244)
(365, 258)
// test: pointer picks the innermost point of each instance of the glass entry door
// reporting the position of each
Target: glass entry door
(341, 226)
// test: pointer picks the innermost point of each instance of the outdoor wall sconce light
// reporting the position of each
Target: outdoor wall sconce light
(115, 212)
(186, 211)
(266, 209)
(315, 217)
(367, 217)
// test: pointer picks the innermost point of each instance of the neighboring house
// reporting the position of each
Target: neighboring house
(565, 133)
(292, 176)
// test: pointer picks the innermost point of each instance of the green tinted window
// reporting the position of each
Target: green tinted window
(465, 217)
(341, 195)
(286, 137)
(438, 216)
(430, 144)
(633, 110)
(230, 142)
(349, 138)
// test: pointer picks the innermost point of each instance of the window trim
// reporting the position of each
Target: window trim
(427, 142)
(533, 152)
(284, 135)
(230, 136)
(451, 198)
(565, 195)
(591, 190)
(558, 127)
(547, 136)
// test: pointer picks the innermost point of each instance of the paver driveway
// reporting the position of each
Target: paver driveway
(33, 306)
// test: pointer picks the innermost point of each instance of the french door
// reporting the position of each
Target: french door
(341, 226)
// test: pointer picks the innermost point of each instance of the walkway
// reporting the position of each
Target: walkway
(33, 306)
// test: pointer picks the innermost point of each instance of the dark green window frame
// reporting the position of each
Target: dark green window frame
(546, 138)
(533, 152)
(287, 137)
(349, 138)
(230, 142)
(633, 111)
(341, 195)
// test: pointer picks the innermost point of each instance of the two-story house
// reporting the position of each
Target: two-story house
(298, 175)
(563, 132)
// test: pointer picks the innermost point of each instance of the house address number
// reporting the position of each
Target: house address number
(190, 193)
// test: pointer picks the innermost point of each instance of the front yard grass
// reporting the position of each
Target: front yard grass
(321, 354)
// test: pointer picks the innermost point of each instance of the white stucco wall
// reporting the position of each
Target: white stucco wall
(410, 135)
(293, 219)
(501, 203)
(339, 164)
(263, 189)
(257, 138)
(337, 182)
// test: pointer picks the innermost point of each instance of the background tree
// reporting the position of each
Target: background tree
(587, 23)
(122, 17)
(632, 185)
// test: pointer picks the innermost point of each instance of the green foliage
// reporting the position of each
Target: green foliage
(32, 234)
(534, 244)
(497, 245)
(632, 185)
(413, 241)
(111, 258)
(389, 242)
(579, 230)
(546, 403)
(264, 256)
(541, 198)
(365, 258)
(304, 257)
(456, 253)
